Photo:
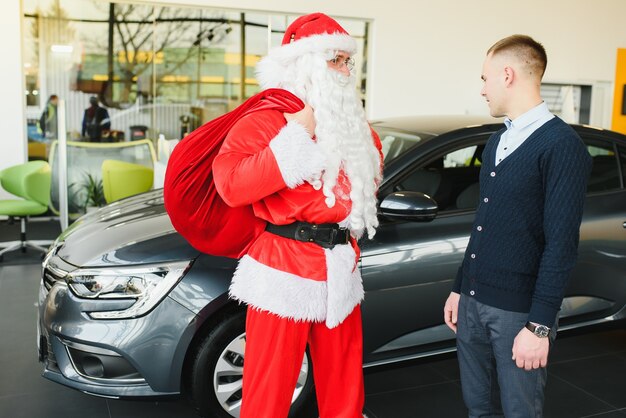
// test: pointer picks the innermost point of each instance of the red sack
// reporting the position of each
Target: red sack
(195, 208)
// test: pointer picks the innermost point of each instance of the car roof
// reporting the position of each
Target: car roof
(440, 124)
(434, 124)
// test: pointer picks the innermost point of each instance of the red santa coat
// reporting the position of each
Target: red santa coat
(265, 162)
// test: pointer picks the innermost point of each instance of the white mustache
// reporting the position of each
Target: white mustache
(341, 79)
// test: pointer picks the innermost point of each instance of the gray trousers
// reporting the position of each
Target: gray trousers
(493, 385)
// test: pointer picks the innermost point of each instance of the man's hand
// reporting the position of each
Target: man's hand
(451, 310)
(305, 118)
(529, 351)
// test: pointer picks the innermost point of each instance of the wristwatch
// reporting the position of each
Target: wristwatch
(540, 331)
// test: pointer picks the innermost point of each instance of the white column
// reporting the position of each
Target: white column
(13, 142)
(62, 161)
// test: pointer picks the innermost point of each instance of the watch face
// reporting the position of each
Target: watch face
(542, 331)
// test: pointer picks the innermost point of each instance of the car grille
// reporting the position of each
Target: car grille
(51, 276)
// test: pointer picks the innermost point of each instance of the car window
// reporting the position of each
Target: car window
(605, 173)
(396, 143)
(450, 178)
(461, 158)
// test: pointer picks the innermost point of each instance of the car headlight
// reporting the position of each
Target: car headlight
(148, 285)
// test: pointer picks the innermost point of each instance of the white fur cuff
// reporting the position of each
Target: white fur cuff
(299, 158)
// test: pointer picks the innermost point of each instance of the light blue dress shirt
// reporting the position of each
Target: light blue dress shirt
(518, 130)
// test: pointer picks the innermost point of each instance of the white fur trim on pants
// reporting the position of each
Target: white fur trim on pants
(290, 296)
(299, 158)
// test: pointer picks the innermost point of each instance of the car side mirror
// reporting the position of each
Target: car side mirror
(411, 206)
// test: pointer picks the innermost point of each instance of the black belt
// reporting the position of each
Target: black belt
(324, 235)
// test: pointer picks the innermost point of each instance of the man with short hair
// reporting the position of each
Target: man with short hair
(509, 288)
(312, 176)
(96, 121)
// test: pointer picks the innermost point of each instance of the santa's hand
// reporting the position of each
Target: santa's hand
(304, 117)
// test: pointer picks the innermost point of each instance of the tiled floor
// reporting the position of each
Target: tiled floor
(587, 372)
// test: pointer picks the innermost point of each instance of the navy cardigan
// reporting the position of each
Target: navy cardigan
(525, 237)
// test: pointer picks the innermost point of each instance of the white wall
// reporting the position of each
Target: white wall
(13, 137)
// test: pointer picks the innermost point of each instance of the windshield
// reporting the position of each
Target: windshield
(396, 142)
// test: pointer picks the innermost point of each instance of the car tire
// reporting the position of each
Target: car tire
(218, 363)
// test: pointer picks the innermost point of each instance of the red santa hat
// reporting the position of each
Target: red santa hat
(315, 32)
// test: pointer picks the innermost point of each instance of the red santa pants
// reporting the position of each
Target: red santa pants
(273, 356)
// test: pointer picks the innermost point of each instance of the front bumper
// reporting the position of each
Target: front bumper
(138, 357)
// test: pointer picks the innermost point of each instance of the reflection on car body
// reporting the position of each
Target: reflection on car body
(166, 326)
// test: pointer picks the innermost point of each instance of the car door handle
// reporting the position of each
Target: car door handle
(624, 224)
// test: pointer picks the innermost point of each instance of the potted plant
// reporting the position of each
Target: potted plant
(90, 193)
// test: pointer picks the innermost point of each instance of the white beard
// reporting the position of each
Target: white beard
(343, 133)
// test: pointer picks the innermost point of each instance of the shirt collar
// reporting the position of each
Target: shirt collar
(533, 115)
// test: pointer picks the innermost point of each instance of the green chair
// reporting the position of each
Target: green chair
(121, 179)
(31, 182)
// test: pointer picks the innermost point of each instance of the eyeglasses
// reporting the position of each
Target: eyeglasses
(339, 61)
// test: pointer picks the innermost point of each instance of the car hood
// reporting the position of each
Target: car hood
(136, 230)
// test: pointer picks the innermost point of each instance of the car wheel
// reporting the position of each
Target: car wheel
(216, 375)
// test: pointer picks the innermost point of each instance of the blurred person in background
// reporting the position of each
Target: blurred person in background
(48, 122)
(96, 122)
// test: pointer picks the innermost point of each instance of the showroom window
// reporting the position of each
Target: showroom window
(159, 71)
(156, 69)
(570, 102)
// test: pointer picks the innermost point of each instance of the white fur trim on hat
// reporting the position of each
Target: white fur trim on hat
(299, 158)
(314, 43)
(270, 70)
(290, 296)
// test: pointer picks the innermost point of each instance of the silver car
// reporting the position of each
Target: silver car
(128, 309)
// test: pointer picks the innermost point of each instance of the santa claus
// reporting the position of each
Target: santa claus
(312, 176)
